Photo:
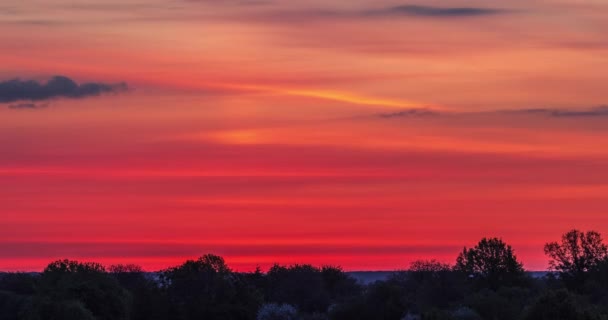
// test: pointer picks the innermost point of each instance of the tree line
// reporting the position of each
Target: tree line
(486, 281)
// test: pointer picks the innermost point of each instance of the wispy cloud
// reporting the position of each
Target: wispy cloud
(601, 111)
(409, 113)
(436, 12)
(235, 2)
(421, 11)
(260, 11)
(28, 105)
(16, 90)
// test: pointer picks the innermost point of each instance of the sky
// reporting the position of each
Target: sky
(360, 133)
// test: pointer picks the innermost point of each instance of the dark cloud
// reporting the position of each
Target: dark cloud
(57, 87)
(601, 111)
(427, 11)
(595, 112)
(235, 2)
(396, 11)
(28, 105)
(409, 113)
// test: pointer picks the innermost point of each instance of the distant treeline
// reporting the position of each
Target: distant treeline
(485, 282)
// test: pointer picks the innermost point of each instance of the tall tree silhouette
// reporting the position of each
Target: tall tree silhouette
(491, 260)
(577, 253)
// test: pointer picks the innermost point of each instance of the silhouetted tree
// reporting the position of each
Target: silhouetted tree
(150, 302)
(129, 275)
(207, 289)
(577, 253)
(487, 282)
(431, 266)
(493, 261)
(381, 300)
(125, 268)
(62, 267)
(339, 285)
(74, 286)
(432, 284)
(299, 285)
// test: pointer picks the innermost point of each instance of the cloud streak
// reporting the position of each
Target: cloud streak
(409, 113)
(435, 12)
(28, 105)
(235, 2)
(17, 90)
(398, 10)
(369, 13)
(601, 111)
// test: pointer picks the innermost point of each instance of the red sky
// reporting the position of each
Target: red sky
(360, 133)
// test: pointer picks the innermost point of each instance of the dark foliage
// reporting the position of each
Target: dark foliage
(431, 285)
(561, 305)
(492, 263)
(83, 287)
(487, 282)
(577, 255)
(310, 289)
(149, 302)
(207, 289)
(380, 300)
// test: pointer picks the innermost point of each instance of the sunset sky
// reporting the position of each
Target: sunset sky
(360, 133)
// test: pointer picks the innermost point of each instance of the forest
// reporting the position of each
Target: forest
(486, 281)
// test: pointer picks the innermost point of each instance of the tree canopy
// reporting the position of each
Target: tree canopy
(492, 260)
(486, 282)
(577, 252)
